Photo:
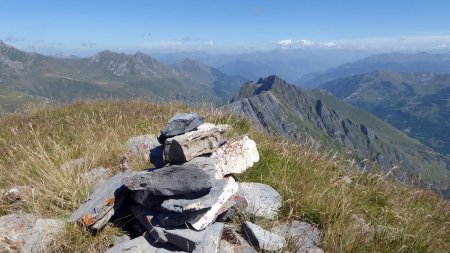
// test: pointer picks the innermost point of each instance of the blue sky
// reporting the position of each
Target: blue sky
(216, 26)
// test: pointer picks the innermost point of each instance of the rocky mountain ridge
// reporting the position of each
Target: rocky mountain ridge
(283, 108)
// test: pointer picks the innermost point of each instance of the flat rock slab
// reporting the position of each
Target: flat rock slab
(206, 139)
(140, 146)
(172, 219)
(235, 156)
(211, 240)
(195, 202)
(44, 232)
(100, 206)
(179, 124)
(226, 199)
(304, 236)
(171, 180)
(15, 230)
(137, 245)
(182, 236)
(263, 200)
(261, 238)
(146, 199)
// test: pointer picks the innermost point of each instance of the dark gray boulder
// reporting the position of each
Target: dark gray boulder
(169, 181)
(179, 124)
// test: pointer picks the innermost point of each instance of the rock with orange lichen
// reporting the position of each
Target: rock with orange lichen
(100, 206)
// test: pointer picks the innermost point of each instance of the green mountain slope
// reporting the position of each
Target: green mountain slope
(108, 74)
(416, 103)
(283, 108)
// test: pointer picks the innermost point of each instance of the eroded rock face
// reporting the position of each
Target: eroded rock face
(169, 181)
(44, 232)
(261, 238)
(100, 206)
(235, 156)
(206, 139)
(15, 230)
(304, 236)
(179, 124)
(140, 146)
(263, 200)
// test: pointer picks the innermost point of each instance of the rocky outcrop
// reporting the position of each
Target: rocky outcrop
(183, 205)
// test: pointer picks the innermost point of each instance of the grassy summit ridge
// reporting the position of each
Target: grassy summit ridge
(358, 212)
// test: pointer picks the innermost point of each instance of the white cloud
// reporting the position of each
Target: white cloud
(295, 44)
(209, 43)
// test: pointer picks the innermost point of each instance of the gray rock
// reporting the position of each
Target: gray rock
(148, 219)
(97, 176)
(182, 236)
(137, 245)
(211, 240)
(226, 199)
(172, 219)
(233, 242)
(207, 164)
(194, 202)
(263, 200)
(15, 229)
(235, 156)
(140, 146)
(116, 240)
(169, 181)
(44, 232)
(17, 193)
(206, 139)
(100, 206)
(179, 124)
(146, 199)
(238, 208)
(157, 156)
(304, 236)
(261, 238)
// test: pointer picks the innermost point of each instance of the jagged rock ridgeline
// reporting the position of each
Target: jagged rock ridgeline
(185, 205)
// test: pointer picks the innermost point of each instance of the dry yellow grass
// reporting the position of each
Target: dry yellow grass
(368, 213)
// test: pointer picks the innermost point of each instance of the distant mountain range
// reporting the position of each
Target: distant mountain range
(416, 103)
(283, 108)
(417, 62)
(290, 64)
(109, 74)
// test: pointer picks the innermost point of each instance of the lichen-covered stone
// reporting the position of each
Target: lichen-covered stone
(263, 200)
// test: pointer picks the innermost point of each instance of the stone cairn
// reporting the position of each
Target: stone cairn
(184, 204)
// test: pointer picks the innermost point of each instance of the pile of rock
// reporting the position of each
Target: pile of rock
(183, 204)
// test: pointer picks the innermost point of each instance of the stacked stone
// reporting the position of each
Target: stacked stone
(183, 204)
